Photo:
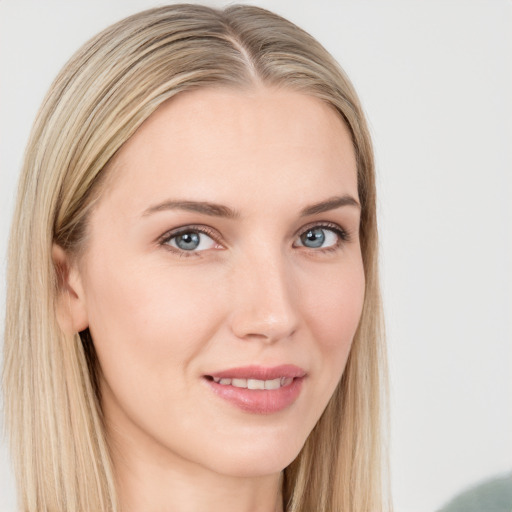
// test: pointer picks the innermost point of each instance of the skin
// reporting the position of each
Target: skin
(253, 293)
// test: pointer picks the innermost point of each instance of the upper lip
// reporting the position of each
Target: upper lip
(260, 372)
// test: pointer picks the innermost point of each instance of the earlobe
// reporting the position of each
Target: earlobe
(70, 301)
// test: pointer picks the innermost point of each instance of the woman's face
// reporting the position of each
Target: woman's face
(223, 256)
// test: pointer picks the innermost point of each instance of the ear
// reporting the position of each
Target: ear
(70, 304)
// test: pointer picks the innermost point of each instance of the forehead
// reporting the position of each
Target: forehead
(229, 145)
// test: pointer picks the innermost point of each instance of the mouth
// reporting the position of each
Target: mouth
(253, 383)
(256, 389)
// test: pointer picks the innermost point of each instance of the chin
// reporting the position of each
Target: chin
(250, 460)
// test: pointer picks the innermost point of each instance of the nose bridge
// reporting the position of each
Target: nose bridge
(264, 301)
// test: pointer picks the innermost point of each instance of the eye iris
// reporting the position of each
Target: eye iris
(188, 241)
(313, 238)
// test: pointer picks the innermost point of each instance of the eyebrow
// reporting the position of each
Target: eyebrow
(204, 207)
(219, 210)
(330, 204)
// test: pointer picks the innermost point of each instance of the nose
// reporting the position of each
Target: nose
(264, 305)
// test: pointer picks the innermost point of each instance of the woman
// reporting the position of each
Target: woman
(193, 314)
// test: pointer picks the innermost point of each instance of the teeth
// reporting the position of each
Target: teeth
(239, 383)
(273, 384)
(286, 381)
(255, 383)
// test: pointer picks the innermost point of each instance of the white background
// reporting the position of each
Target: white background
(435, 79)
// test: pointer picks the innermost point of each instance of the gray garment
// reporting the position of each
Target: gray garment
(493, 495)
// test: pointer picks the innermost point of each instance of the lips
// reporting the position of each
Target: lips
(260, 372)
(257, 389)
(255, 383)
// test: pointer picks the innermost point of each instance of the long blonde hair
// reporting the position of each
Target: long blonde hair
(100, 98)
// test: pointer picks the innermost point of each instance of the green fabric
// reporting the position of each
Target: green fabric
(491, 496)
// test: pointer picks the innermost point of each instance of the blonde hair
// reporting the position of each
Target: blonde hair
(100, 98)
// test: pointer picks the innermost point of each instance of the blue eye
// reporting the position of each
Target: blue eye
(313, 238)
(191, 240)
(321, 237)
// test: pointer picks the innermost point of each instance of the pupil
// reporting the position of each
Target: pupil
(314, 238)
(187, 241)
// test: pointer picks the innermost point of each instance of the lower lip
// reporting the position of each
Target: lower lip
(259, 401)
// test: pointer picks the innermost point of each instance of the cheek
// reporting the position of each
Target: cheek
(332, 313)
(148, 323)
(334, 309)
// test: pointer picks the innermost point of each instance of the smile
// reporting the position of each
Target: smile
(257, 389)
(255, 383)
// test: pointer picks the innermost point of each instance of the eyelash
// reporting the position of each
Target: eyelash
(342, 234)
